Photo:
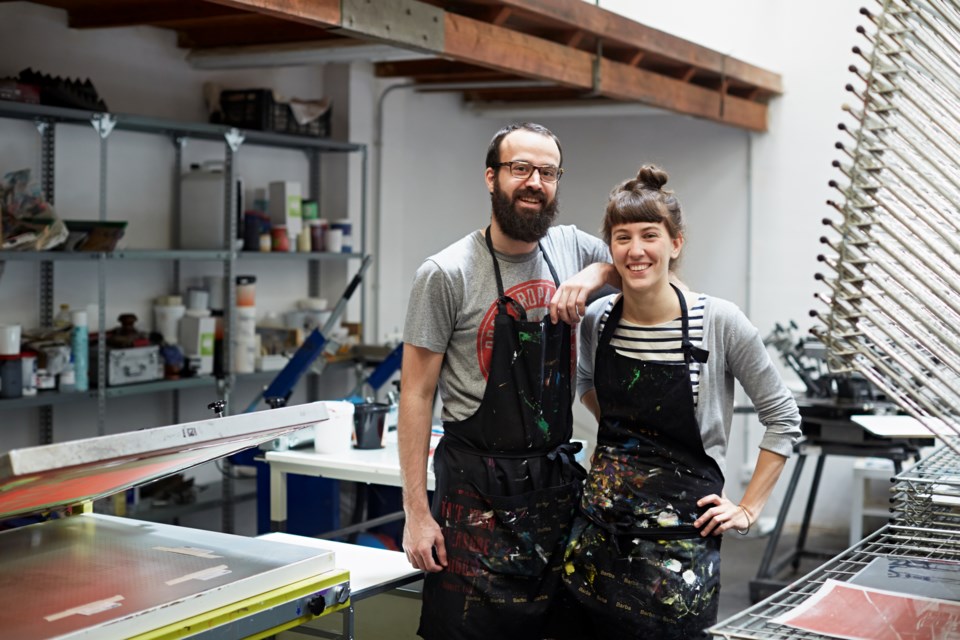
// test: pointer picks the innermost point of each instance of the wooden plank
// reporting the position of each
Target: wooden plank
(533, 95)
(436, 69)
(574, 39)
(484, 44)
(319, 13)
(246, 29)
(624, 82)
(499, 16)
(146, 12)
(612, 26)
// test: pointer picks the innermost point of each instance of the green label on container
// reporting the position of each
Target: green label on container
(293, 206)
(206, 344)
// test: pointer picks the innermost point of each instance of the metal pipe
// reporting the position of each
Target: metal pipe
(377, 177)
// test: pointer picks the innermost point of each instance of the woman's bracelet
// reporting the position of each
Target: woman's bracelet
(744, 532)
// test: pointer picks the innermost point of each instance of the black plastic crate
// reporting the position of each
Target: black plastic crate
(256, 109)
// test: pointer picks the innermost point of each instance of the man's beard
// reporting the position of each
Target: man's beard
(525, 227)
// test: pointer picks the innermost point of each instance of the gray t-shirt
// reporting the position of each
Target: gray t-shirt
(737, 353)
(453, 304)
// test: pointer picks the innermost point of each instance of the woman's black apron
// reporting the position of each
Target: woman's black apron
(635, 561)
(507, 487)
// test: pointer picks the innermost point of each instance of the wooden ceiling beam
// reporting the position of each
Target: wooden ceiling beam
(574, 38)
(611, 26)
(499, 15)
(163, 13)
(246, 30)
(317, 13)
(436, 69)
(636, 58)
(532, 95)
(624, 82)
(484, 44)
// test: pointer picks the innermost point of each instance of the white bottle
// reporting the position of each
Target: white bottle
(80, 345)
(64, 318)
(68, 380)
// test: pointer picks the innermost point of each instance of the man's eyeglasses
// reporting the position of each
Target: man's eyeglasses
(523, 170)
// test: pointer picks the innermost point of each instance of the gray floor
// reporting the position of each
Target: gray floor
(740, 559)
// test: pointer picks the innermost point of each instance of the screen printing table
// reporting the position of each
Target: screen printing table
(78, 574)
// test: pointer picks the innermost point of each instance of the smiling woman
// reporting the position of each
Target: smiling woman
(655, 362)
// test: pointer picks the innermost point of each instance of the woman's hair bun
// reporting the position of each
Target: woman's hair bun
(652, 177)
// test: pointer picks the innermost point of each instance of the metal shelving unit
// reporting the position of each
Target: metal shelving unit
(46, 120)
(928, 494)
(892, 541)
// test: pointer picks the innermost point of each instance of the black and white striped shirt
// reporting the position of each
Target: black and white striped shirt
(660, 344)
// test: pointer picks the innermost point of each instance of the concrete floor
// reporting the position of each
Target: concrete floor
(394, 616)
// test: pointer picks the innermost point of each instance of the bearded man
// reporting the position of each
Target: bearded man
(489, 320)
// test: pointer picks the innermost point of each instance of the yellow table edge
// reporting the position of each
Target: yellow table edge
(254, 604)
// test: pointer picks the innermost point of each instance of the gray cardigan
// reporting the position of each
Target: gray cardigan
(737, 353)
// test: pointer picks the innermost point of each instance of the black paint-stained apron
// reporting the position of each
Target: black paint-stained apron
(507, 488)
(635, 562)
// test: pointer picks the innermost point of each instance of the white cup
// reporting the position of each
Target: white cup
(334, 241)
(245, 351)
(166, 321)
(29, 375)
(246, 325)
(334, 434)
(197, 298)
(295, 320)
(214, 286)
(9, 340)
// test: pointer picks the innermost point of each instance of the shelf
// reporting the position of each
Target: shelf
(160, 385)
(200, 130)
(122, 254)
(46, 399)
(166, 254)
(291, 255)
(50, 398)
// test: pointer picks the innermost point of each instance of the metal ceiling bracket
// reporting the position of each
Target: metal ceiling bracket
(596, 77)
(406, 23)
(234, 139)
(103, 123)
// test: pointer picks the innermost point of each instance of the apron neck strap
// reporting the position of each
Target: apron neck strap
(502, 299)
(689, 351)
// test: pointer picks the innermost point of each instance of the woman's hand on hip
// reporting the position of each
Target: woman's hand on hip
(723, 516)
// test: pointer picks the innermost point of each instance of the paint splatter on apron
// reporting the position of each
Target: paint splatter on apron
(507, 488)
(635, 562)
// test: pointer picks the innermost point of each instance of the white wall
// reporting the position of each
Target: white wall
(753, 201)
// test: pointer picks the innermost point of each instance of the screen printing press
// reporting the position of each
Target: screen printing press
(79, 574)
